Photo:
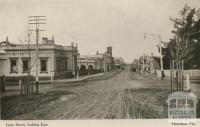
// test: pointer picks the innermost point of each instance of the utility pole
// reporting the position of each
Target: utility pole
(143, 66)
(37, 20)
(29, 66)
(161, 56)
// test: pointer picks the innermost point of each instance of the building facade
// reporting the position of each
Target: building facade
(91, 62)
(102, 62)
(151, 63)
(119, 62)
(108, 60)
(55, 61)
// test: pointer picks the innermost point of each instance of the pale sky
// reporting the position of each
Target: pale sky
(93, 24)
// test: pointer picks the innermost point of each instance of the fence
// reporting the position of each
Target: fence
(194, 74)
(25, 83)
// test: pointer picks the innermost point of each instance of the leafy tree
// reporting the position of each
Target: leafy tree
(185, 43)
(186, 34)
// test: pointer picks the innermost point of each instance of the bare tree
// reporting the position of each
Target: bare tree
(27, 41)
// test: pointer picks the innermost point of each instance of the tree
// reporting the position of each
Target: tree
(27, 86)
(27, 81)
(184, 43)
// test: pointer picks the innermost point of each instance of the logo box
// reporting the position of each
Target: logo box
(182, 107)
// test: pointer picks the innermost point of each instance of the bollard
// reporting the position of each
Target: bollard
(36, 83)
(77, 76)
(188, 81)
(20, 86)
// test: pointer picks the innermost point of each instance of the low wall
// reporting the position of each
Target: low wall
(194, 74)
(13, 80)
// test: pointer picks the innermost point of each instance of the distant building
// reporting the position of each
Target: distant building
(149, 63)
(108, 59)
(119, 62)
(54, 60)
(102, 62)
(91, 62)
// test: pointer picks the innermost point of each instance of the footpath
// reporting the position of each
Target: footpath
(81, 78)
(46, 84)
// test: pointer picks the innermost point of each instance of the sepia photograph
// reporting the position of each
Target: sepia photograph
(111, 60)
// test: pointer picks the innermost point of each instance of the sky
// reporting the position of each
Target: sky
(94, 24)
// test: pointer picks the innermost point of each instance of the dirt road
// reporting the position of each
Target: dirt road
(126, 95)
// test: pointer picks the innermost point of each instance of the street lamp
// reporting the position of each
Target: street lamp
(161, 56)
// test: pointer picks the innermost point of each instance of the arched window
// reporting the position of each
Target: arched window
(90, 67)
(83, 67)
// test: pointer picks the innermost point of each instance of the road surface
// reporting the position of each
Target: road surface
(126, 95)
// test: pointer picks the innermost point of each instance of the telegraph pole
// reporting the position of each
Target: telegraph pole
(37, 20)
(161, 58)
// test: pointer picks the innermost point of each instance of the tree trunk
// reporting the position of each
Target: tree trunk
(177, 79)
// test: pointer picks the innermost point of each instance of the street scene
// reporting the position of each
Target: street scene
(118, 95)
(105, 61)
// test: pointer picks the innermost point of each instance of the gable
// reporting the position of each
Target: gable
(5, 43)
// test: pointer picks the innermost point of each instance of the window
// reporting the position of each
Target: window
(13, 65)
(43, 65)
(25, 64)
(65, 64)
(58, 64)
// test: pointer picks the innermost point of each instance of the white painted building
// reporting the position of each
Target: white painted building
(54, 60)
(102, 62)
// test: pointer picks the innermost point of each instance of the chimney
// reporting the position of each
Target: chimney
(7, 40)
(53, 40)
